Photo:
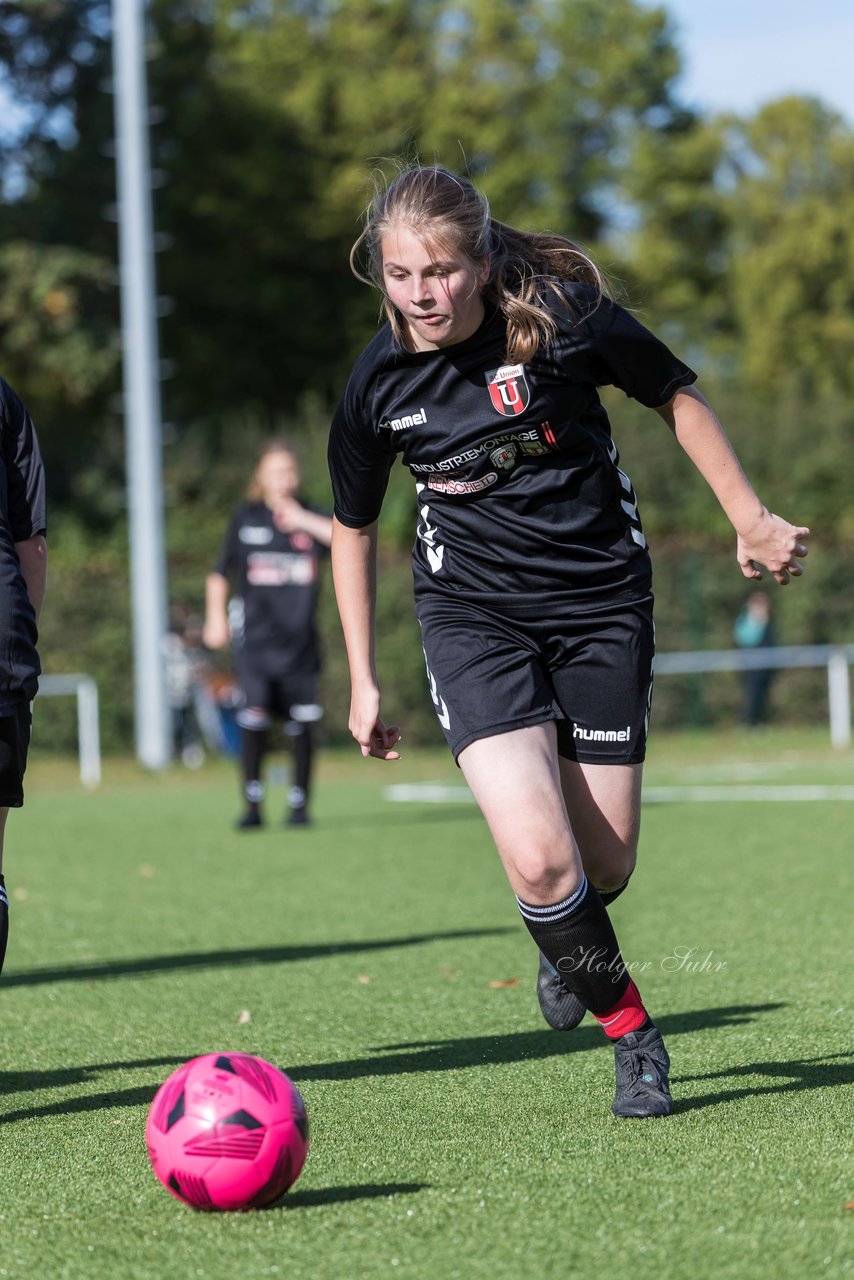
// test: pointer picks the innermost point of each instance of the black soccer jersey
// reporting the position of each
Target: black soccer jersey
(276, 577)
(22, 516)
(520, 491)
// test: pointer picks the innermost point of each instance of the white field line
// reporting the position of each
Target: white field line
(442, 793)
(719, 795)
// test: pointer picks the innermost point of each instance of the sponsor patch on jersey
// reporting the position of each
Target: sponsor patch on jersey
(503, 457)
(446, 484)
(508, 389)
(533, 447)
(280, 569)
(255, 535)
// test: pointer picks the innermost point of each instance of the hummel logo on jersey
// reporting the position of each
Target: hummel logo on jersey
(408, 420)
(508, 389)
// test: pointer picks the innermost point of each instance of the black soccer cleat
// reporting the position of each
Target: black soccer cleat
(298, 817)
(560, 1008)
(642, 1065)
(251, 818)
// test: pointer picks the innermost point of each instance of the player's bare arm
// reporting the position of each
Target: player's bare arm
(32, 555)
(354, 573)
(763, 538)
(215, 633)
(291, 516)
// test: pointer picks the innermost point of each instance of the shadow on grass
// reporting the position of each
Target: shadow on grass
(340, 1195)
(227, 959)
(416, 1057)
(30, 1081)
(139, 1096)
(795, 1076)
(521, 1046)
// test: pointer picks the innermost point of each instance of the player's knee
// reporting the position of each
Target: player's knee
(541, 879)
(613, 872)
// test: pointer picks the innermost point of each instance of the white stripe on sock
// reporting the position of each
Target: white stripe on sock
(556, 910)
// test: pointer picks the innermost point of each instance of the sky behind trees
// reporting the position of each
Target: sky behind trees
(740, 54)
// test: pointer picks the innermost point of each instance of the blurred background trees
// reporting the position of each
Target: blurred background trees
(733, 238)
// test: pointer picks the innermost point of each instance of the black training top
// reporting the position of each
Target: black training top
(520, 492)
(275, 576)
(22, 516)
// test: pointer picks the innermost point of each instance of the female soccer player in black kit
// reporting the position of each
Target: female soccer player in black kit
(271, 553)
(532, 575)
(23, 569)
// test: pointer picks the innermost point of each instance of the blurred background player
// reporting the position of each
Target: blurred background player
(186, 668)
(754, 629)
(23, 571)
(271, 557)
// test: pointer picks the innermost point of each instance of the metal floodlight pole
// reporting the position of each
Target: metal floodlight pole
(141, 386)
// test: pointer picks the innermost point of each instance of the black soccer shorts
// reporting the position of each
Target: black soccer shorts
(589, 670)
(293, 696)
(14, 744)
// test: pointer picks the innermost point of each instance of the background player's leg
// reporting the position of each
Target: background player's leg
(304, 712)
(303, 753)
(253, 723)
(4, 900)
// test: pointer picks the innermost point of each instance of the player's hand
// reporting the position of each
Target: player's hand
(287, 515)
(374, 738)
(774, 544)
(215, 633)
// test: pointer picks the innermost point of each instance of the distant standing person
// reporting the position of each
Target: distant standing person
(754, 629)
(23, 571)
(271, 557)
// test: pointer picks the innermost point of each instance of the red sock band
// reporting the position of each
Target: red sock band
(626, 1015)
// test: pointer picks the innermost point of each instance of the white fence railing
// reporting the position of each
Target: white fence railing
(85, 690)
(836, 657)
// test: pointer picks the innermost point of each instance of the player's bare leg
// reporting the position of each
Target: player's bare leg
(604, 805)
(516, 779)
(603, 802)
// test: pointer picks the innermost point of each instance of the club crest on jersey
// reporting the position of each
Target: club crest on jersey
(508, 389)
(503, 457)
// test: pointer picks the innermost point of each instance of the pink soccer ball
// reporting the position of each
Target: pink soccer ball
(227, 1131)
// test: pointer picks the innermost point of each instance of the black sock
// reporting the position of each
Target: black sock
(577, 937)
(303, 751)
(4, 921)
(610, 895)
(252, 746)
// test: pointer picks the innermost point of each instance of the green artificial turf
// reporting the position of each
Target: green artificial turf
(380, 961)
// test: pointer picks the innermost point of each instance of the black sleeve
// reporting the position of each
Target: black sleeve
(359, 461)
(24, 468)
(228, 562)
(622, 353)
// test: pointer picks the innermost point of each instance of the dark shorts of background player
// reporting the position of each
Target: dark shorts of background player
(14, 744)
(589, 670)
(293, 696)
